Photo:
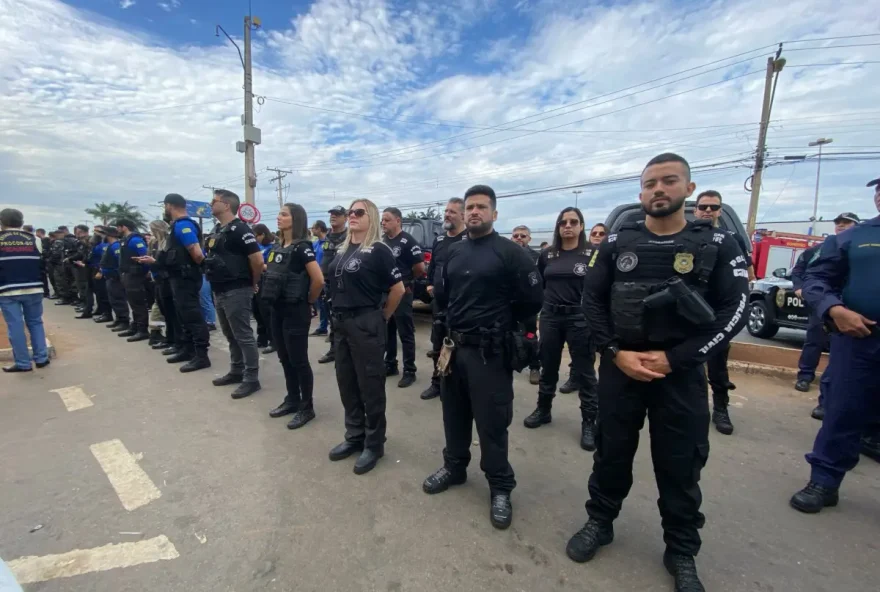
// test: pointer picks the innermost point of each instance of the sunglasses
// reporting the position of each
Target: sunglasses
(569, 222)
(358, 213)
(707, 207)
(598, 233)
(520, 236)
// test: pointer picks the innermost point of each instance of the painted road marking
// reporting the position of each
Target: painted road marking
(132, 485)
(28, 570)
(73, 397)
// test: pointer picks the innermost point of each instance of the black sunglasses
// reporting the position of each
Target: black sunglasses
(598, 233)
(358, 213)
(569, 222)
(520, 236)
(707, 207)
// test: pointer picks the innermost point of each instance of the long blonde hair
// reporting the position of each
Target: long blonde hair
(159, 230)
(374, 232)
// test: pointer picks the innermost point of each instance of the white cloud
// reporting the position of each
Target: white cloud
(168, 6)
(64, 144)
(124, 4)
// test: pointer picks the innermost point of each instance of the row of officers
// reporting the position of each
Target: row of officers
(656, 300)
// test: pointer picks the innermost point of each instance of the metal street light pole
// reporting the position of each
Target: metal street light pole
(576, 192)
(820, 142)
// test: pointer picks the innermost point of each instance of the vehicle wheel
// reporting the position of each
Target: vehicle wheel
(759, 324)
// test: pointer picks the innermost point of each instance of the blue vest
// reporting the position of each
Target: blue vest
(19, 261)
(860, 293)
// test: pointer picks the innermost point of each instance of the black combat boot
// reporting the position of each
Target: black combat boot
(140, 335)
(132, 330)
(407, 379)
(432, 392)
(301, 418)
(366, 462)
(104, 318)
(588, 434)
(684, 570)
(155, 337)
(179, 356)
(539, 417)
(722, 422)
(818, 413)
(86, 314)
(500, 510)
(200, 360)
(569, 387)
(246, 389)
(284, 409)
(802, 386)
(583, 545)
(812, 498)
(122, 326)
(534, 376)
(871, 447)
(172, 350)
(344, 450)
(441, 481)
(330, 356)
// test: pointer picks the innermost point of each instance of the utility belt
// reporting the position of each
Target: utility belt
(351, 313)
(518, 348)
(563, 309)
(466, 339)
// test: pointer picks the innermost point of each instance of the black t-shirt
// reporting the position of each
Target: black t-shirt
(407, 252)
(240, 242)
(301, 256)
(563, 275)
(359, 278)
(440, 255)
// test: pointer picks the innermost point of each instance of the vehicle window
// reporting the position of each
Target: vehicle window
(417, 231)
(637, 215)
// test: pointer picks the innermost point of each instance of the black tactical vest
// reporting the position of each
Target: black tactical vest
(280, 284)
(221, 264)
(642, 265)
(126, 265)
(56, 252)
(109, 263)
(176, 260)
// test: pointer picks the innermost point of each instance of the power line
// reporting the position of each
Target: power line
(832, 47)
(834, 38)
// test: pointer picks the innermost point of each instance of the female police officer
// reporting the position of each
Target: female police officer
(363, 270)
(293, 280)
(563, 267)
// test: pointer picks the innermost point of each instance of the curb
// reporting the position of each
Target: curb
(763, 370)
(6, 353)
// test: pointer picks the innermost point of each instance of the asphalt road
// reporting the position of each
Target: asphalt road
(202, 493)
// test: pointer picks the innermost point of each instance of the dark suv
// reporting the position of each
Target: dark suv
(632, 212)
(773, 304)
(424, 231)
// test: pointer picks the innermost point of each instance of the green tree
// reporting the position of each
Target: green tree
(110, 212)
(429, 214)
(102, 212)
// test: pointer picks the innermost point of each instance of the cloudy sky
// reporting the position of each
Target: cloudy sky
(412, 102)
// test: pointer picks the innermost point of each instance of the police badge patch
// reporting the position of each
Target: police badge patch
(627, 262)
(278, 258)
(211, 244)
(396, 251)
(684, 262)
(580, 269)
(780, 298)
(533, 278)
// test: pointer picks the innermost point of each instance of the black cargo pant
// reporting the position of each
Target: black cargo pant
(531, 326)
(678, 416)
(438, 332)
(263, 316)
(164, 297)
(478, 391)
(136, 293)
(289, 324)
(52, 277)
(88, 297)
(401, 323)
(187, 303)
(360, 373)
(44, 277)
(719, 378)
(558, 329)
(118, 300)
(64, 282)
(99, 289)
(81, 284)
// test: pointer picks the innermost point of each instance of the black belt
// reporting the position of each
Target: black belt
(350, 313)
(465, 338)
(563, 309)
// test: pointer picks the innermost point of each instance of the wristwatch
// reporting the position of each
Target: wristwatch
(611, 351)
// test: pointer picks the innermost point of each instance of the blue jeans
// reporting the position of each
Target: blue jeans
(207, 301)
(322, 314)
(19, 311)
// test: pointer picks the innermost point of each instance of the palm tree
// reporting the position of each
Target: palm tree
(113, 211)
(429, 214)
(102, 211)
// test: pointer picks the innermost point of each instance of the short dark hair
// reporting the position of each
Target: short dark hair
(482, 190)
(63, 229)
(229, 198)
(320, 225)
(43, 230)
(126, 223)
(81, 228)
(11, 218)
(669, 157)
(394, 212)
(457, 201)
(709, 193)
(28, 228)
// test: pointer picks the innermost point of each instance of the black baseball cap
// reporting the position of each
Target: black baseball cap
(874, 182)
(337, 211)
(847, 216)
(108, 231)
(176, 200)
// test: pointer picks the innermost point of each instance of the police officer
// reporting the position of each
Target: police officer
(453, 224)
(842, 287)
(292, 282)
(563, 267)
(709, 207)
(489, 286)
(411, 263)
(660, 297)
(44, 245)
(816, 340)
(85, 266)
(133, 271)
(53, 257)
(183, 257)
(234, 265)
(80, 270)
(65, 248)
(103, 311)
(113, 281)
(330, 247)
(361, 273)
(523, 236)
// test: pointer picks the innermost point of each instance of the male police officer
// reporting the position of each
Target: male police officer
(817, 338)
(64, 248)
(708, 207)
(103, 312)
(660, 297)
(133, 272)
(842, 287)
(411, 263)
(453, 224)
(330, 246)
(110, 274)
(234, 265)
(489, 286)
(522, 236)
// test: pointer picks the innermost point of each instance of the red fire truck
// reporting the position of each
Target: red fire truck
(774, 250)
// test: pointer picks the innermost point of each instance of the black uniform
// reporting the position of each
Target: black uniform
(286, 290)
(439, 257)
(164, 296)
(113, 283)
(407, 252)
(330, 249)
(64, 248)
(626, 269)
(489, 285)
(45, 243)
(134, 279)
(530, 325)
(358, 279)
(562, 321)
(54, 255)
(81, 274)
(817, 339)
(185, 279)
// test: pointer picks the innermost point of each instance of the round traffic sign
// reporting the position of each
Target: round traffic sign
(249, 213)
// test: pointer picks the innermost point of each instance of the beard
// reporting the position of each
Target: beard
(480, 229)
(664, 211)
(448, 225)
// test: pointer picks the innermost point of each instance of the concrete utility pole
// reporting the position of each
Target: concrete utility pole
(279, 176)
(774, 66)
(820, 142)
(252, 135)
(576, 192)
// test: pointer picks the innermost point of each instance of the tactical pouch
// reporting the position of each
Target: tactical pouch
(628, 311)
(271, 289)
(522, 349)
(444, 359)
(216, 270)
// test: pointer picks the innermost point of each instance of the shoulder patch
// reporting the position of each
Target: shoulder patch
(185, 230)
(718, 237)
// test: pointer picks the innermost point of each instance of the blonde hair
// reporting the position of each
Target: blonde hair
(374, 232)
(159, 230)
